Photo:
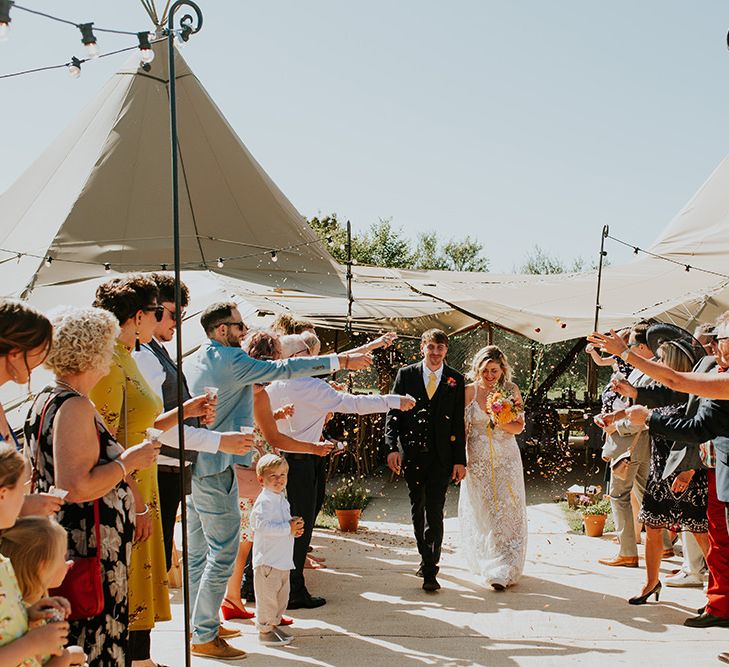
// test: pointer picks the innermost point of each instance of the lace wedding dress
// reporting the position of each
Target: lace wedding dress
(492, 504)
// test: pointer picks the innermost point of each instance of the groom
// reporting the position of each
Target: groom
(433, 443)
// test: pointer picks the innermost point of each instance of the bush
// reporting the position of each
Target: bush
(600, 507)
(349, 495)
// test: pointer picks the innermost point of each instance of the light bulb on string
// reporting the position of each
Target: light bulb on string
(274, 256)
(49, 260)
(221, 262)
(89, 39)
(5, 6)
(146, 54)
(107, 267)
(74, 68)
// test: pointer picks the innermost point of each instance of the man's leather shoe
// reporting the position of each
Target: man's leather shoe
(706, 621)
(306, 602)
(217, 648)
(431, 585)
(723, 657)
(620, 561)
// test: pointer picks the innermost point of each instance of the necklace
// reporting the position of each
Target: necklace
(68, 386)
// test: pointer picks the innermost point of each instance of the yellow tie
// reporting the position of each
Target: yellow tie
(430, 389)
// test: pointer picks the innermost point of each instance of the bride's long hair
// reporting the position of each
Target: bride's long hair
(482, 357)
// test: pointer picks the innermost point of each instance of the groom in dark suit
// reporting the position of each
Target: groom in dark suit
(428, 444)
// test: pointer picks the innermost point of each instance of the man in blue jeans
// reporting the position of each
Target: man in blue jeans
(213, 510)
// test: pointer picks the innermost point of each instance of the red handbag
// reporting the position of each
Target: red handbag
(82, 585)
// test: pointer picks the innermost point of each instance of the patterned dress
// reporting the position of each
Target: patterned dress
(260, 447)
(129, 407)
(103, 638)
(662, 508)
(13, 615)
(492, 501)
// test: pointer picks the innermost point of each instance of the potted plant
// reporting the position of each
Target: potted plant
(594, 517)
(347, 501)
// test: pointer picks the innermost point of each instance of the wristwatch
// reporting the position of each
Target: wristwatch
(624, 354)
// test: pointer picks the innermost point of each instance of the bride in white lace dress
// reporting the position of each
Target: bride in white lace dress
(492, 504)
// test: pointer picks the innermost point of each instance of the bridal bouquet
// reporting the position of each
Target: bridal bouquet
(503, 407)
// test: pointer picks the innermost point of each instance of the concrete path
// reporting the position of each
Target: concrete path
(567, 609)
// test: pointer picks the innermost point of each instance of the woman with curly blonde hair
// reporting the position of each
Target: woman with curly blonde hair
(492, 505)
(70, 448)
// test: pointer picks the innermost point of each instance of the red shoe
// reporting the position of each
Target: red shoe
(232, 611)
(285, 620)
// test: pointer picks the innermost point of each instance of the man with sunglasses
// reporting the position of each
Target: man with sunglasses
(213, 510)
(160, 371)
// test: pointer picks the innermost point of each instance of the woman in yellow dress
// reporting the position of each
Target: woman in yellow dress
(129, 407)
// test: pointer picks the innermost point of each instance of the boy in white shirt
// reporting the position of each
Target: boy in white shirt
(274, 530)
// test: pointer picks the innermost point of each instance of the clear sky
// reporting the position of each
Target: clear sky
(519, 122)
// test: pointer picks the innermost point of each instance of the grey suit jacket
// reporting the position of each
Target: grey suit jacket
(626, 434)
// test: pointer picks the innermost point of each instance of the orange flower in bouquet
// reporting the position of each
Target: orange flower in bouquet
(503, 407)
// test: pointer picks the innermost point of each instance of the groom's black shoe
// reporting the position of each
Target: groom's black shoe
(431, 584)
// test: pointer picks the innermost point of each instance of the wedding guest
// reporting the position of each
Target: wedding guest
(25, 338)
(20, 644)
(676, 501)
(619, 441)
(129, 407)
(267, 440)
(71, 448)
(313, 399)
(214, 516)
(274, 530)
(706, 429)
(160, 371)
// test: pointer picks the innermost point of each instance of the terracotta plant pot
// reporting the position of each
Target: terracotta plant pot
(594, 524)
(348, 520)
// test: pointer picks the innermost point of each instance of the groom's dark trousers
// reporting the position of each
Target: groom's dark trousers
(432, 439)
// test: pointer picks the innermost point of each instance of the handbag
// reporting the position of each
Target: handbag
(82, 585)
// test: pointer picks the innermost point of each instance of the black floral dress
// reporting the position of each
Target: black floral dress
(662, 508)
(103, 638)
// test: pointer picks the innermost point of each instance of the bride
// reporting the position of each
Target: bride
(492, 505)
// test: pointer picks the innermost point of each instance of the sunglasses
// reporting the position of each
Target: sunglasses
(240, 325)
(173, 313)
(158, 311)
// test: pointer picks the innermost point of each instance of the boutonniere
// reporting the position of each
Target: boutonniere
(451, 381)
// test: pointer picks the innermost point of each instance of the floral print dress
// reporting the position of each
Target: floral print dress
(129, 406)
(104, 637)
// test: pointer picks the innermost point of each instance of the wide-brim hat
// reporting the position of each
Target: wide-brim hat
(662, 332)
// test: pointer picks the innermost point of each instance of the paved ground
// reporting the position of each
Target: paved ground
(567, 610)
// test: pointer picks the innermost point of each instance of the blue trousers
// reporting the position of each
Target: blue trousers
(213, 525)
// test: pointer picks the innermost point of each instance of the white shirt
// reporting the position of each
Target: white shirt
(197, 439)
(313, 399)
(427, 373)
(273, 543)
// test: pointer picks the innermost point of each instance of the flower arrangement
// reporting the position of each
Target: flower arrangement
(595, 509)
(503, 407)
(348, 495)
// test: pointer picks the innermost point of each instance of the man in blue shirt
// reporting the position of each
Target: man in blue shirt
(213, 510)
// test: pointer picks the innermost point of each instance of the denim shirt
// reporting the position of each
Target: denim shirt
(232, 371)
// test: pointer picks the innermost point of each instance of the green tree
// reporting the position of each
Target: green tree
(383, 245)
(428, 255)
(466, 255)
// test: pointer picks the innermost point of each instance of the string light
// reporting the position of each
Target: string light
(49, 260)
(687, 267)
(146, 54)
(107, 267)
(221, 262)
(5, 19)
(164, 267)
(89, 39)
(274, 256)
(74, 68)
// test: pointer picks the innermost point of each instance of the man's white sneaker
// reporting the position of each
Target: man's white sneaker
(684, 580)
